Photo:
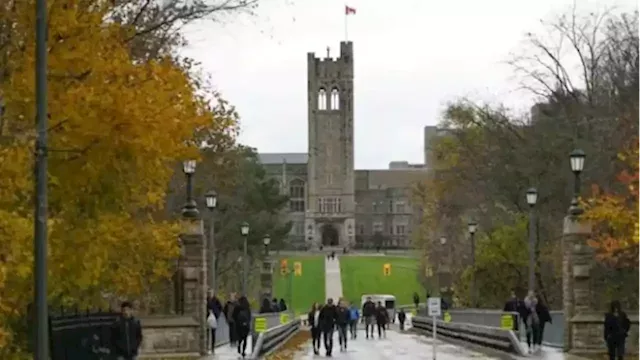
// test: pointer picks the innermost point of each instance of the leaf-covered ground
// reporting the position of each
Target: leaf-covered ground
(289, 350)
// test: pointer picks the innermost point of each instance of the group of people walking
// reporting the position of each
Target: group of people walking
(237, 313)
(325, 319)
(535, 314)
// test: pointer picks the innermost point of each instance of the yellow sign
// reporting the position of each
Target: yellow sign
(297, 268)
(447, 317)
(260, 325)
(284, 267)
(506, 322)
(386, 270)
(284, 318)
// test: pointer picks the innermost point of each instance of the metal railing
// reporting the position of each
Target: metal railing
(270, 340)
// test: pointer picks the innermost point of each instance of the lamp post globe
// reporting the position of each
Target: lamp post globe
(472, 226)
(211, 198)
(244, 228)
(532, 196)
(189, 167)
(266, 240)
(577, 158)
(443, 240)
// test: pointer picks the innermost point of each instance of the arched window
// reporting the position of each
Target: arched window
(296, 195)
(335, 99)
(322, 99)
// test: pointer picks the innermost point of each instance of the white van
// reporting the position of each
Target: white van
(388, 301)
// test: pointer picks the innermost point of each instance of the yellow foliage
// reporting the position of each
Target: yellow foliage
(116, 129)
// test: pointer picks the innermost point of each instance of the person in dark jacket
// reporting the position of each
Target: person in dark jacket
(266, 306)
(274, 305)
(213, 307)
(327, 319)
(342, 321)
(402, 317)
(242, 318)
(616, 329)
(369, 315)
(228, 309)
(126, 334)
(282, 306)
(517, 306)
(544, 316)
(313, 318)
(416, 300)
(382, 319)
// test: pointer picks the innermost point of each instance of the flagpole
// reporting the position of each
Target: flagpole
(346, 34)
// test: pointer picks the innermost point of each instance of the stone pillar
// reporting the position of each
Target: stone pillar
(266, 280)
(193, 263)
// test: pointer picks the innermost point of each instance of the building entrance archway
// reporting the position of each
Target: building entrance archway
(330, 235)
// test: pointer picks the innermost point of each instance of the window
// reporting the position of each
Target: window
(320, 205)
(400, 207)
(377, 227)
(360, 229)
(329, 179)
(339, 205)
(391, 206)
(335, 99)
(298, 228)
(401, 229)
(331, 205)
(374, 206)
(322, 99)
(296, 196)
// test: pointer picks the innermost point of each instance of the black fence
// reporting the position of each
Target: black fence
(77, 335)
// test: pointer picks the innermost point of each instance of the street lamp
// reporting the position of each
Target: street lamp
(577, 158)
(190, 209)
(244, 230)
(211, 199)
(532, 199)
(266, 241)
(472, 226)
(443, 240)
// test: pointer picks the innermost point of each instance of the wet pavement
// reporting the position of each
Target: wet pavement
(228, 352)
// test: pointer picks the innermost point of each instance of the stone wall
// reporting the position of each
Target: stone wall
(171, 335)
(587, 333)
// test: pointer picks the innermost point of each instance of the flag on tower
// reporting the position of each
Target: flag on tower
(349, 10)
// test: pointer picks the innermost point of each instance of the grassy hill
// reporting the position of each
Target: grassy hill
(364, 275)
(307, 288)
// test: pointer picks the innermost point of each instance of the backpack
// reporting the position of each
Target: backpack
(243, 317)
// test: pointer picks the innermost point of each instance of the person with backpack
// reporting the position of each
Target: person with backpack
(382, 319)
(242, 319)
(354, 317)
(126, 334)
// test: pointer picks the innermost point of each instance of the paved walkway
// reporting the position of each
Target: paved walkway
(395, 347)
(227, 352)
(332, 279)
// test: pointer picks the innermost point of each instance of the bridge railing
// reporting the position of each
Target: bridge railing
(553, 332)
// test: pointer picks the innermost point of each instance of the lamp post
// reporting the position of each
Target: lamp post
(190, 209)
(211, 199)
(577, 157)
(473, 227)
(40, 273)
(532, 199)
(266, 240)
(244, 230)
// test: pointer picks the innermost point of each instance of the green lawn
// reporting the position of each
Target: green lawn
(364, 275)
(307, 288)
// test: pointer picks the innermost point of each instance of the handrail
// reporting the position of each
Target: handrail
(272, 339)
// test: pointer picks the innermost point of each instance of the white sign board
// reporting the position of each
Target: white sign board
(434, 306)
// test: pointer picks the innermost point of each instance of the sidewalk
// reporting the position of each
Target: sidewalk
(332, 279)
(228, 352)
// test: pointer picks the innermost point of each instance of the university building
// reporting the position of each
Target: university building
(331, 203)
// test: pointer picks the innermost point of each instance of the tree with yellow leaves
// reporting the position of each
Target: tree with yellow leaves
(614, 215)
(117, 127)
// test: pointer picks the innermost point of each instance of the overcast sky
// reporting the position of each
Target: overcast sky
(411, 58)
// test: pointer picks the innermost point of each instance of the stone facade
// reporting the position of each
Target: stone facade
(171, 335)
(332, 204)
(193, 265)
